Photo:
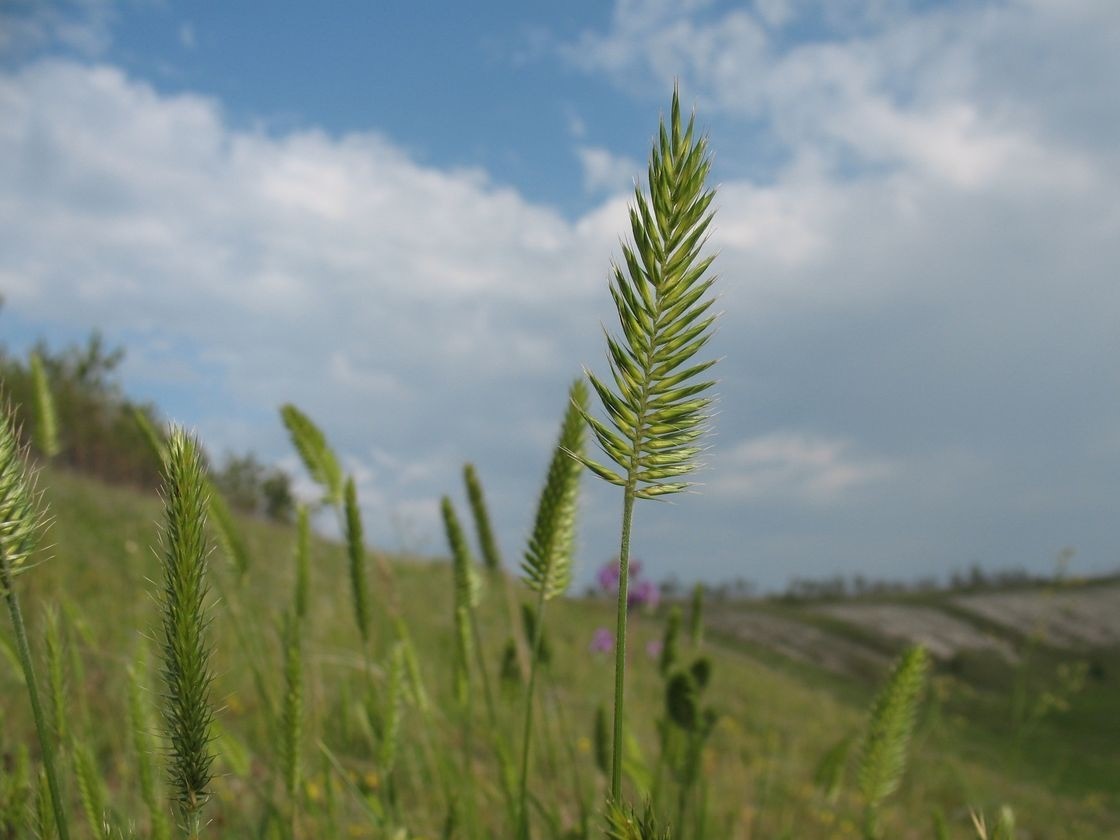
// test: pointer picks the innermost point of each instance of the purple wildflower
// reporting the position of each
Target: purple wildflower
(643, 593)
(653, 649)
(607, 576)
(602, 641)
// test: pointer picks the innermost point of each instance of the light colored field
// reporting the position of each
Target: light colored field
(1074, 618)
(795, 639)
(942, 634)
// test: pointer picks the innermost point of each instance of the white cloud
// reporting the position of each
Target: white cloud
(604, 171)
(795, 467)
(81, 25)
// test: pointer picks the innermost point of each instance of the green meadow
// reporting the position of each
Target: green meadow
(777, 717)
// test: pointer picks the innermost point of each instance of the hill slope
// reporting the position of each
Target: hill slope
(778, 715)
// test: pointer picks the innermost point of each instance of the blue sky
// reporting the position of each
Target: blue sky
(401, 216)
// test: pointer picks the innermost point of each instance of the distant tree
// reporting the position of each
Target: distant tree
(239, 481)
(279, 503)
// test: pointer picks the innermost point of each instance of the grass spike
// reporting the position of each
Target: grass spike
(467, 583)
(356, 551)
(486, 541)
(548, 559)
(653, 415)
(46, 419)
(21, 523)
(318, 457)
(624, 824)
(187, 711)
(226, 530)
(887, 737)
(150, 433)
(91, 791)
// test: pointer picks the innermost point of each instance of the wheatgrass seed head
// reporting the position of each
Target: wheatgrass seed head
(187, 708)
(21, 513)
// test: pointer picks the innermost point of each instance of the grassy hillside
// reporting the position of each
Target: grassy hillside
(778, 717)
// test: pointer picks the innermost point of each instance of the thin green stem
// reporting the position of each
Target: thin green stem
(504, 763)
(33, 693)
(522, 797)
(620, 640)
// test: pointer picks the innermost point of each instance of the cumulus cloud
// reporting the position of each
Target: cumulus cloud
(395, 302)
(800, 468)
(604, 171)
(924, 276)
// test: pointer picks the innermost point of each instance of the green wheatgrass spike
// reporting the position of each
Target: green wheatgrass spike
(151, 435)
(885, 742)
(91, 791)
(187, 710)
(486, 541)
(356, 551)
(548, 559)
(226, 530)
(653, 401)
(624, 824)
(467, 583)
(318, 458)
(21, 524)
(46, 420)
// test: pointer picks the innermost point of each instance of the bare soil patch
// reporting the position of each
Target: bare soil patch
(796, 639)
(940, 633)
(1073, 618)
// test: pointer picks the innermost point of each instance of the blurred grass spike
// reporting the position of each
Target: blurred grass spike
(467, 583)
(21, 523)
(226, 530)
(548, 558)
(318, 457)
(356, 551)
(46, 419)
(624, 824)
(489, 545)
(151, 434)
(883, 752)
